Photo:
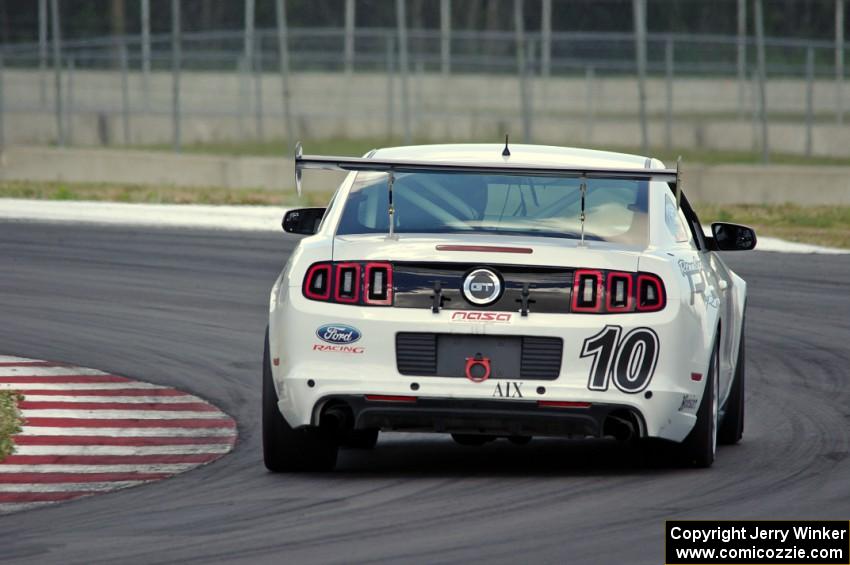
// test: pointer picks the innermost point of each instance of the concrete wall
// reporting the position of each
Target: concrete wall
(567, 111)
(722, 184)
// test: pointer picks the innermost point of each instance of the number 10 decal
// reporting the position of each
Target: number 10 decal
(630, 361)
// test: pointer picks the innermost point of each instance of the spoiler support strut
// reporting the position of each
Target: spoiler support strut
(390, 205)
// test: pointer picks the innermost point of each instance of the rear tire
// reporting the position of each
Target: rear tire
(286, 449)
(471, 439)
(700, 446)
(732, 428)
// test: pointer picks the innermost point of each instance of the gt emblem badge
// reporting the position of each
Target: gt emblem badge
(482, 287)
(477, 368)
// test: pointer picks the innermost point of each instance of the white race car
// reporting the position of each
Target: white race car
(489, 291)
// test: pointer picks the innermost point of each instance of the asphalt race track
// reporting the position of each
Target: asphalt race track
(187, 309)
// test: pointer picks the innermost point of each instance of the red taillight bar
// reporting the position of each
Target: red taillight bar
(562, 404)
(389, 398)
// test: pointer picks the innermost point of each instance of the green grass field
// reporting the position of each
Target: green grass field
(10, 422)
(146, 194)
(821, 225)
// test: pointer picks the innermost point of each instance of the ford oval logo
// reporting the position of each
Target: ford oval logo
(338, 333)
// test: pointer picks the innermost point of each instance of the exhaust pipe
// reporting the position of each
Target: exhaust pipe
(620, 427)
(337, 418)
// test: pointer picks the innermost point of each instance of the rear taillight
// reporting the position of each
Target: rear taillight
(347, 287)
(619, 292)
(650, 294)
(616, 292)
(351, 282)
(317, 283)
(378, 289)
(587, 291)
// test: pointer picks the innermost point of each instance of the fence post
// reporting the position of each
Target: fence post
(146, 51)
(590, 102)
(810, 80)
(42, 51)
(754, 99)
(742, 55)
(762, 78)
(839, 61)
(125, 93)
(546, 40)
(522, 72)
(668, 113)
(445, 55)
(175, 74)
(401, 22)
(283, 48)
(390, 85)
(69, 128)
(2, 106)
(639, 17)
(445, 37)
(258, 86)
(247, 66)
(349, 38)
(57, 71)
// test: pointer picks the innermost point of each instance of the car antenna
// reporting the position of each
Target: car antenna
(506, 152)
(582, 217)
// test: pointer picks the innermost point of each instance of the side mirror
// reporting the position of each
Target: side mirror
(303, 221)
(733, 237)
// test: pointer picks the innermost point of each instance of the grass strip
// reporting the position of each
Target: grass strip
(10, 421)
(819, 225)
(159, 194)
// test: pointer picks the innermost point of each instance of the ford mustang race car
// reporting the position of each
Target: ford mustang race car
(488, 291)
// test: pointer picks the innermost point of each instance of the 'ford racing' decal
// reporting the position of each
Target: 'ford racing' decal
(338, 333)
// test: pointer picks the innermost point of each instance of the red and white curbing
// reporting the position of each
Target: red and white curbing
(86, 431)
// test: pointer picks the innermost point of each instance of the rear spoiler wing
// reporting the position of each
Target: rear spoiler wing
(332, 163)
(393, 166)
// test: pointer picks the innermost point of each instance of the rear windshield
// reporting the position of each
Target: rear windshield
(437, 203)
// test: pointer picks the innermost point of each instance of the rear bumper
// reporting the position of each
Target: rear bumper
(307, 370)
(495, 417)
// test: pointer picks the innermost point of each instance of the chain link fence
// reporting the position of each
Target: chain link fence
(427, 84)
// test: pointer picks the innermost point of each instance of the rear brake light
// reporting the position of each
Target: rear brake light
(378, 288)
(317, 283)
(389, 398)
(616, 292)
(587, 291)
(619, 292)
(562, 404)
(650, 293)
(351, 282)
(347, 287)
